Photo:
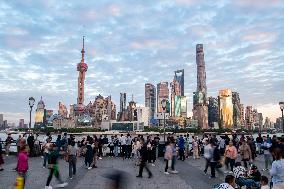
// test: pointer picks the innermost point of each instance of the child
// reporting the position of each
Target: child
(23, 166)
(264, 182)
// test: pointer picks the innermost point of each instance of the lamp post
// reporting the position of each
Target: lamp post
(281, 104)
(31, 104)
(164, 105)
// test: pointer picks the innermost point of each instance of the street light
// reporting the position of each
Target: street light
(31, 104)
(164, 105)
(281, 104)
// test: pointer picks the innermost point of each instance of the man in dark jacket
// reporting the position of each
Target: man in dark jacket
(144, 157)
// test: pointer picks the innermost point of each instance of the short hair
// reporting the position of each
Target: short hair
(238, 164)
(72, 143)
(229, 179)
(264, 179)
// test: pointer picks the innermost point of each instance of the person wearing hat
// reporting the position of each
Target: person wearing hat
(8, 143)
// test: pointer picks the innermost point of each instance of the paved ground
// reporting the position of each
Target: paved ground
(190, 175)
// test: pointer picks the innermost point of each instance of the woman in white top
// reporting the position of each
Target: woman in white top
(277, 170)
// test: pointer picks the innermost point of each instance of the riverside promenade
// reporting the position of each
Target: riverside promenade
(190, 174)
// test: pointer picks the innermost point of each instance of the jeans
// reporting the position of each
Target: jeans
(174, 162)
(268, 161)
(116, 151)
(157, 151)
(246, 182)
(45, 159)
(231, 162)
(207, 163)
(72, 165)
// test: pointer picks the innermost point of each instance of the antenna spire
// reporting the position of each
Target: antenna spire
(83, 49)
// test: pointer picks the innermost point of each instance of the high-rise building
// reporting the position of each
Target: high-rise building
(226, 108)
(130, 110)
(175, 98)
(200, 106)
(1, 120)
(236, 110)
(40, 114)
(249, 118)
(267, 123)
(22, 123)
(183, 107)
(179, 77)
(213, 111)
(260, 120)
(162, 94)
(242, 110)
(62, 110)
(122, 112)
(82, 68)
(150, 98)
(255, 122)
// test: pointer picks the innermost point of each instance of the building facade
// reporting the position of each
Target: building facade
(179, 77)
(213, 111)
(122, 115)
(249, 118)
(150, 98)
(242, 110)
(162, 94)
(226, 108)
(40, 114)
(236, 110)
(175, 98)
(21, 123)
(200, 105)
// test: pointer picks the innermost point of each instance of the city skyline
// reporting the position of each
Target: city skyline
(41, 48)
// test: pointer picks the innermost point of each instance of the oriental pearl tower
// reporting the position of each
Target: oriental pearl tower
(82, 67)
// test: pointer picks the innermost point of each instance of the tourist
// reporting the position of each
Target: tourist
(116, 145)
(207, 155)
(195, 147)
(122, 142)
(36, 146)
(18, 143)
(143, 160)
(230, 156)
(267, 155)
(8, 143)
(149, 150)
(245, 152)
(215, 158)
(259, 141)
(264, 182)
(1, 157)
(101, 143)
(153, 151)
(242, 177)
(31, 144)
(255, 174)
(95, 146)
(64, 142)
(89, 155)
(54, 169)
(229, 183)
(136, 147)
(157, 142)
(187, 148)
(72, 153)
(181, 146)
(222, 145)
(277, 170)
(174, 159)
(128, 146)
(168, 156)
(111, 146)
(22, 165)
(252, 145)
(105, 145)
(46, 151)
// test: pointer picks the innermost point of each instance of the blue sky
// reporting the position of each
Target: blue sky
(129, 43)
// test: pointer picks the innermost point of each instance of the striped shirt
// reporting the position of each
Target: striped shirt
(239, 172)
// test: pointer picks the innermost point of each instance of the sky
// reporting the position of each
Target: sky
(129, 43)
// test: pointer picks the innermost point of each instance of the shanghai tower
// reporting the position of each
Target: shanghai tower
(200, 105)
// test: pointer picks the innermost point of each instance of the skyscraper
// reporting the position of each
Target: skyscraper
(122, 112)
(82, 68)
(200, 106)
(260, 120)
(22, 123)
(226, 108)
(248, 118)
(150, 98)
(242, 110)
(162, 93)
(236, 109)
(175, 98)
(1, 120)
(213, 111)
(179, 77)
(39, 116)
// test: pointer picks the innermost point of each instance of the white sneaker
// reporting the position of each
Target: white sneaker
(167, 173)
(48, 187)
(175, 172)
(153, 165)
(230, 172)
(100, 158)
(89, 168)
(62, 185)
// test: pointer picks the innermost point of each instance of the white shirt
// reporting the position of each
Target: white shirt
(122, 140)
(207, 153)
(265, 187)
(225, 186)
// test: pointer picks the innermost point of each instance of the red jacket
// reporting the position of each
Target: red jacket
(23, 164)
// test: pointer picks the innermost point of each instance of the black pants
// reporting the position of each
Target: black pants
(111, 148)
(128, 151)
(245, 163)
(231, 162)
(100, 151)
(123, 148)
(56, 174)
(213, 166)
(72, 165)
(181, 154)
(141, 167)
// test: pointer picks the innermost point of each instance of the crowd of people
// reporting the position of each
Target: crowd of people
(235, 154)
